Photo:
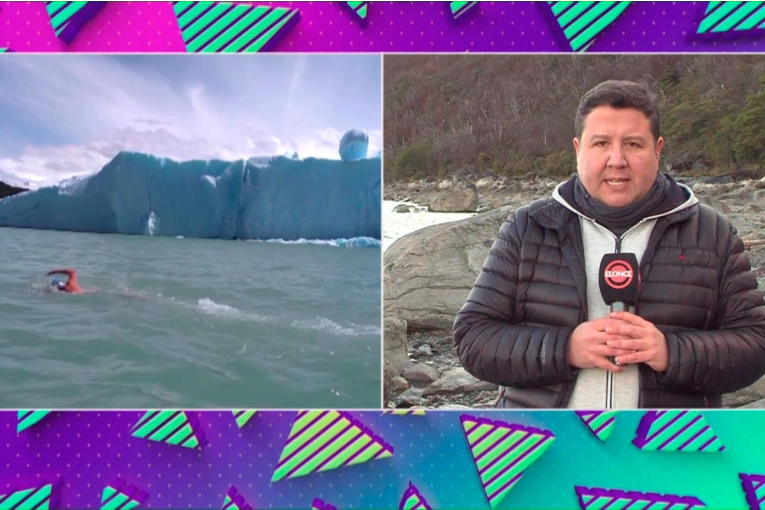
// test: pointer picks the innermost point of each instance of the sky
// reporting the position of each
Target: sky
(68, 115)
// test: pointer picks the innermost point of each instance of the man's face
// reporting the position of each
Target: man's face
(617, 158)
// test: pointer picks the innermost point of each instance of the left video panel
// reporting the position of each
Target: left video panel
(190, 231)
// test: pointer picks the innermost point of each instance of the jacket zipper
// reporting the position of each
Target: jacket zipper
(610, 375)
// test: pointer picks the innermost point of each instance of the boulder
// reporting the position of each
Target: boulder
(428, 274)
(745, 396)
(395, 345)
(460, 197)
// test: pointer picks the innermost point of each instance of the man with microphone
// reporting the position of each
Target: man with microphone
(621, 291)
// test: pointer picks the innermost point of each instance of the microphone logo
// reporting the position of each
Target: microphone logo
(618, 274)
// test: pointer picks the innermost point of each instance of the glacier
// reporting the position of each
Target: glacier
(261, 198)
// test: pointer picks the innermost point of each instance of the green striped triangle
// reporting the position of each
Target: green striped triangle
(581, 22)
(243, 416)
(39, 499)
(68, 18)
(721, 17)
(28, 418)
(212, 27)
(502, 452)
(677, 430)
(324, 440)
(412, 499)
(61, 13)
(600, 423)
(166, 427)
(460, 8)
(360, 8)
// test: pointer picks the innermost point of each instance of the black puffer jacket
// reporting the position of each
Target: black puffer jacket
(697, 289)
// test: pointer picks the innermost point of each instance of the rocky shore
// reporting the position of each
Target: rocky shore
(429, 273)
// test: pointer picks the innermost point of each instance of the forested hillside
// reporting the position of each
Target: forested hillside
(514, 114)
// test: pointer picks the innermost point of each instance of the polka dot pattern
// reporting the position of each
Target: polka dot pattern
(387, 27)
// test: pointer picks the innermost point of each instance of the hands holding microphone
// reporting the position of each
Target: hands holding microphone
(621, 338)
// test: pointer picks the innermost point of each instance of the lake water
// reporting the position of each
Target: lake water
(188, 323)
(396, 225)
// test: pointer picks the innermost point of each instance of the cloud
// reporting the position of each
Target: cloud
(152, 122)
(69, 115)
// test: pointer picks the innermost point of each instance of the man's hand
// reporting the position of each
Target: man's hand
(645, 343)
(588, 345)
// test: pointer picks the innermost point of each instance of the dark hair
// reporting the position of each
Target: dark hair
(619, 94)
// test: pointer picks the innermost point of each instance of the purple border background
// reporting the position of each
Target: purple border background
(389, 27)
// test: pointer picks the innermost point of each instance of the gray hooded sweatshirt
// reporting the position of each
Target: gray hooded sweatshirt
(595, 388)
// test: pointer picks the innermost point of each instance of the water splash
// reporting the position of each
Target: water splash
(152, 224)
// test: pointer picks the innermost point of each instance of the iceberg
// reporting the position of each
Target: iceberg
(262, 198)
(354, 145)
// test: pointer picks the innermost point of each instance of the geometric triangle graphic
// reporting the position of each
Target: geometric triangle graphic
(235, 501)
(242, 416)
(175, 428)
(754, 488)
(600, 423)
(6, 50)
(325, 440)
(459, 9)
(42, 497)
(119, 495)
(28, 418)
(232, 28)
(413, 500)
(732, 17)
(359, 8)
(581, 22)
(68, 18)
(321, 505)
(676, 431)
(411, 411)
(502, 452)
(600, 499)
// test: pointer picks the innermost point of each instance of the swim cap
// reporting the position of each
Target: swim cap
(57, 283)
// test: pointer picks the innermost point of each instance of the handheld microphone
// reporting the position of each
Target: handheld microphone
(619, 280)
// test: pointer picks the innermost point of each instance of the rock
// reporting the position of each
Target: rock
(395, 344)
(759, 404)
(402, 208)
(751, 209)
(412, 397)
(421, 373)
(745, 396)
(460, 197)
(759, 184)
(714, 202)
(445, 184)
(486, 182)
(457, 380)
(456, 407)
(683, 161)
(699, 166)
(398, 384)
(388, 375)
(428, 274)
(425, 350)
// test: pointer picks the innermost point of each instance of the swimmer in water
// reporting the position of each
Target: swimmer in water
(71, 285)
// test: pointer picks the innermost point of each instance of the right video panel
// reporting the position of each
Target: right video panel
(570, 231)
